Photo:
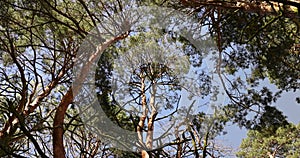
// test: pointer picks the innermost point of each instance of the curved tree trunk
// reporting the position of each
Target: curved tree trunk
(58, 145)
(58, 131)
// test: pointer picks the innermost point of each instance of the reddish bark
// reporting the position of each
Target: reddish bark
(58, 145)
(272, 7)
(58, 131)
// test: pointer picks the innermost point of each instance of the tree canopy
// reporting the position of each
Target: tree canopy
(281, 143)
(156, 67)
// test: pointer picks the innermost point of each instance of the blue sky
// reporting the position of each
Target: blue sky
(287, 104)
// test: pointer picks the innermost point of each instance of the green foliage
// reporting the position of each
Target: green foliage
(270, 121)
(253, 108)
(263, 43)
(39, 39)
(261, 47)
(283, 142)
(104, 85)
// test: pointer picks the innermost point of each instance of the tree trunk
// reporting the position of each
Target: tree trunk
(145, 154)
(289, 8)
(142, 120)
(58, 145)
(149, 139)
(58, 131)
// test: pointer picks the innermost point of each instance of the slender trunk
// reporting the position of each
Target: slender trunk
(196, 154)
(142, 118)
(205, 144)
(179, 145)
(149, 139)
(179, 150)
